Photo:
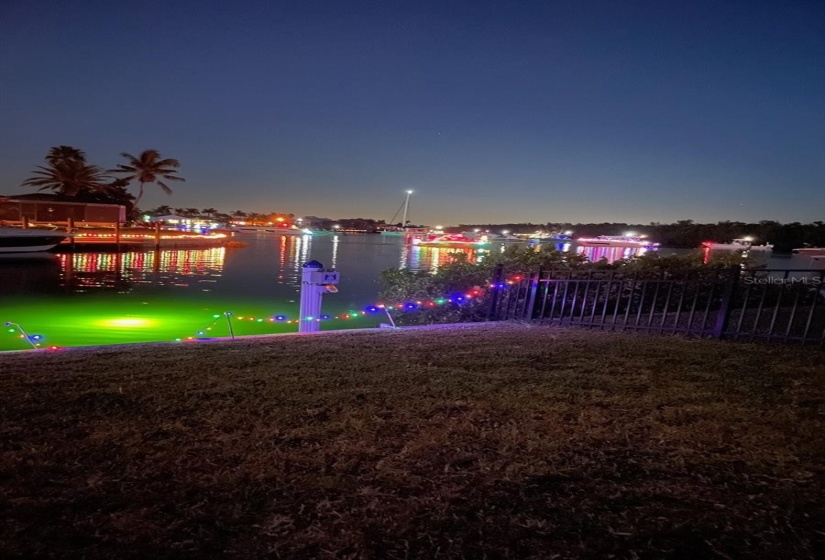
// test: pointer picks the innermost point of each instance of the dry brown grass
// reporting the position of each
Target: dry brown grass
(485, 441)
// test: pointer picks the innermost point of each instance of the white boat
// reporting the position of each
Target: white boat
(616, 241)
(278, 230)
(743, 244)
(17, 240)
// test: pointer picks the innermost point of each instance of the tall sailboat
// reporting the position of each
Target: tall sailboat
(396, 230)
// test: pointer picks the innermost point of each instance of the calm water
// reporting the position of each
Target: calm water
(104, 298)
(107, 298)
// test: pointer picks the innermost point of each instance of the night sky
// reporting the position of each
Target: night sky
(491, 111)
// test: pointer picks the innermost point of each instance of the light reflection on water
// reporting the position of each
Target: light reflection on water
(82, 272)
(267, 269)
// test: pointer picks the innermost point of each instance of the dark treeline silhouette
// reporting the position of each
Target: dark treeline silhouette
(685, 233)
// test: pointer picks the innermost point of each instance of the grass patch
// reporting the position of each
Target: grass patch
(480, 441)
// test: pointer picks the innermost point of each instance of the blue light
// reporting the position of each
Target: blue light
(410, 306)
(280, 317)
(371, 309)
(325, 317)
(35, 337)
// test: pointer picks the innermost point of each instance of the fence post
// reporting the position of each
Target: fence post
(723, 315)
(535, 278)
(495, 292)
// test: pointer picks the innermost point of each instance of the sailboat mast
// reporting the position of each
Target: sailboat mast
(406, 206)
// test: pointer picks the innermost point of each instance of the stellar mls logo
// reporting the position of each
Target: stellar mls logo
(769, 280)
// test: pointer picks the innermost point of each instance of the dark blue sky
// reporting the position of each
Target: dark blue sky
(491, 111)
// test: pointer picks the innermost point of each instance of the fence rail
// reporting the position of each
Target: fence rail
(756, 305)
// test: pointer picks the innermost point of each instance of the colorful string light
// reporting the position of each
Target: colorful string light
(406, 306)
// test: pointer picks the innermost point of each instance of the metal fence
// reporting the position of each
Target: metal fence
(734, 303)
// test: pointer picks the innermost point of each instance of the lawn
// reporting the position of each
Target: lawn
(479, 441)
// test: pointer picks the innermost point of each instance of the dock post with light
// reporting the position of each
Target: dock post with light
(315, 282)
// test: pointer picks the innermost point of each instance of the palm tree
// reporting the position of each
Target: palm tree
(149, 168)
(209, 212)
(62, 154)
(67, 173)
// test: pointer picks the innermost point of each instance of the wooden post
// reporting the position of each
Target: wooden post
(157, 235)
(117, 236)
(70, 229)
(25, 222)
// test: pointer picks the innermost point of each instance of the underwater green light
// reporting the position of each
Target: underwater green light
(124, 322)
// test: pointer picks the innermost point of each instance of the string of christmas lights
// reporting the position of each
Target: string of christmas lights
(408, 306)
(34, 339)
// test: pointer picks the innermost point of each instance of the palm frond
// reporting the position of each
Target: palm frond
(165, 187)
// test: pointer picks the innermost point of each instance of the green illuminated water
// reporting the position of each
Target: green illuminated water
(107, 298)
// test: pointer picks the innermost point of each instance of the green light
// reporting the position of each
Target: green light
(127, 322)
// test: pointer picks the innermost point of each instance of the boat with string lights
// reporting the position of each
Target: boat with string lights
(452, 240)
(19, 240)
(630, 241)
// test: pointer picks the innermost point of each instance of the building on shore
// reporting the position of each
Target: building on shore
(51, 208)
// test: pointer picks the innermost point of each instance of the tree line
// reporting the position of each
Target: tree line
(685, 233)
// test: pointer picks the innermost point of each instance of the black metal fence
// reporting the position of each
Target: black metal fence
(756, 305)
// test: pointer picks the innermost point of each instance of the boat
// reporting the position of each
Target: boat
(278, 230)
(451, 240)
(18, 240)
(541, 235)
(742, 244)
(616, 241)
